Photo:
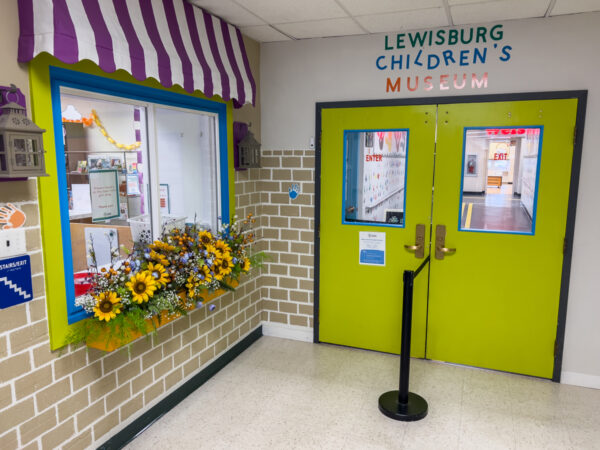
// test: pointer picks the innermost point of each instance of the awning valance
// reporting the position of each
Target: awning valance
(169, 40)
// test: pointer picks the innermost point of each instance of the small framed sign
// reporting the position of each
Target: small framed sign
(165, 201)
(371, 248)
(15, 281)
(104, 194)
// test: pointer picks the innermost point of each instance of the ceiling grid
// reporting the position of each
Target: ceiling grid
(281, 20)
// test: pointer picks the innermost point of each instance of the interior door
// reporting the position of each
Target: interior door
(376, 177)
(493, 302)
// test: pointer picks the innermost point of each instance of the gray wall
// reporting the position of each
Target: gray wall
(547, 55)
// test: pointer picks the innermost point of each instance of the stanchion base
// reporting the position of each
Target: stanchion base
(415, 409)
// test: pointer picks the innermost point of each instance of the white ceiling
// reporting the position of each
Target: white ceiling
(281, 20)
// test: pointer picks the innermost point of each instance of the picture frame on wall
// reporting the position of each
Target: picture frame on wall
(369, 139)
(471, 166)
(165, 201)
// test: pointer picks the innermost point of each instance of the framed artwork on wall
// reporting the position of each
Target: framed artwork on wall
(471, 166)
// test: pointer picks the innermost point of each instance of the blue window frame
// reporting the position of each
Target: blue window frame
(62, 78)
(375, 171)
(506, 208)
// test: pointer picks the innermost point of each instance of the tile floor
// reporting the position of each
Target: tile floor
(282, 394)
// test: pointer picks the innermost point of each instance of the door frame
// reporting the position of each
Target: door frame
(580, 95)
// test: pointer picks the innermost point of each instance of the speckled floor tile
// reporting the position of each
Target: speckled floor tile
(282, 394)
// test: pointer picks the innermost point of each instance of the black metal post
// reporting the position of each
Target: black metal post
(409, 278)
(402, 404)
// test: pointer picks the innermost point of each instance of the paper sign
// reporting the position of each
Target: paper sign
(371, 248)
(15, 281)
(165, 201)
(104, 193)
(133, 185)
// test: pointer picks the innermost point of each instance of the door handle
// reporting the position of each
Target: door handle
(419, 247)
(440, 243)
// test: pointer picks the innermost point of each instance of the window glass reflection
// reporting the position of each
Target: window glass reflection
(500, 173)
(375, 172)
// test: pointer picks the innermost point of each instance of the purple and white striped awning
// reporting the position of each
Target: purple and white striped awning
(169, 40)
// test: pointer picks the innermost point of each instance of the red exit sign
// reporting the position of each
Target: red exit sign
(500, 156)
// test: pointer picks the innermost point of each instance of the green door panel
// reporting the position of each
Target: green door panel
(360, 306)
(494, 303)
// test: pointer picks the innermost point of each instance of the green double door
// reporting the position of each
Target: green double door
(487, 186)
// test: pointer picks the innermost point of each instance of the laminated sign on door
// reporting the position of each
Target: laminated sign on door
(371, 248)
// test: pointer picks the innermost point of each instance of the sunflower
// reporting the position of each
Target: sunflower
(246, 265)
(222, 246)
(226, 264)
(159, 274)
(162, 259)
(192, 283)
(107, 306)
(212, 252)
(205, 274)
(159, 245)
(205, 237)
(217, 272)
(142, 285)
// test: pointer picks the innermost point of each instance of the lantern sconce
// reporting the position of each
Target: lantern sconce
(21, 144)
(247, 148)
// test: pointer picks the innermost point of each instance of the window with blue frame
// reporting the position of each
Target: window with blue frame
(375, 177)
(132, 163)
(501, 167)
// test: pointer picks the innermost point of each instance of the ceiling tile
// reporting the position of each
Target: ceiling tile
(498, 10)
(321, 28)
(286, 11)
(574, 6)
(363, 8)
(229, 11)
(264, 33)
(408, 20)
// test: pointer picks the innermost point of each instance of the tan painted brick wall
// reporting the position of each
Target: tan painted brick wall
(80, 398)
(288, 236)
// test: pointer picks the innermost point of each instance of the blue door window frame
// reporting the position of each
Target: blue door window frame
(60, 78)
(350, 186)
(537, 179)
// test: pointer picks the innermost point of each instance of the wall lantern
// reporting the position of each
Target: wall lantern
(248, 152)
(21, 148)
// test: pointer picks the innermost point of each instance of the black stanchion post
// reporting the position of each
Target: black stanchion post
(409, 278)
(402, 404)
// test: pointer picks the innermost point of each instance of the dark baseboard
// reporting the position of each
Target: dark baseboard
(480, 193)
(515, 195)
(134, 429)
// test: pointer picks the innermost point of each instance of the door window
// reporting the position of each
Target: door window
(500, 179)
(375, 177)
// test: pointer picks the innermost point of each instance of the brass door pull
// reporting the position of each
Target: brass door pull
(419, 247)
(440, 243)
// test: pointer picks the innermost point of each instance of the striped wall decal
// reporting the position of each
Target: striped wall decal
(169, 40)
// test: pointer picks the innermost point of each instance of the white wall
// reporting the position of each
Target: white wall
(186, 156)
(479, 147)
(547, 55)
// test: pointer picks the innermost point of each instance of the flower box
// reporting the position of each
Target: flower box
(105, 343)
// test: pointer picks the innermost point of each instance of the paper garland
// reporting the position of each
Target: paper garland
(109, 138)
